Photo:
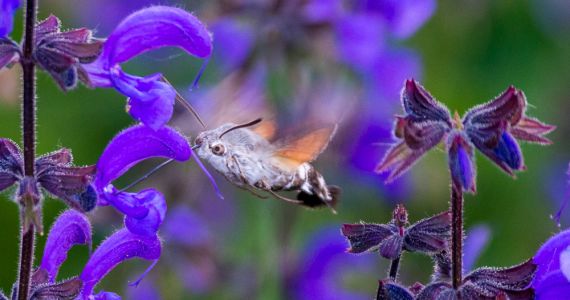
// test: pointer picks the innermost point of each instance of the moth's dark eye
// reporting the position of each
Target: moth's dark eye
(199, 141)
(218, 149)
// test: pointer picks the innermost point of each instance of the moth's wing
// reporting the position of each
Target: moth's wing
(236, 99)
(293, 152)
(266, 129)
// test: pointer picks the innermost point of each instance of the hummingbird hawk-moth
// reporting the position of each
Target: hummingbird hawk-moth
(244, 154)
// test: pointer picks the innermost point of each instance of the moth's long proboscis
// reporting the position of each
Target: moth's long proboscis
(185, 103)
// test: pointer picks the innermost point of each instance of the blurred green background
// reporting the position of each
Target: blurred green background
(471, 51)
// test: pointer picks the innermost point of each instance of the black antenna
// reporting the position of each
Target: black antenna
(185, 103)
(256, 121)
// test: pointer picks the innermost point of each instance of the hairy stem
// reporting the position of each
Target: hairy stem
(29, 141)
(394, 267)
(456, 235)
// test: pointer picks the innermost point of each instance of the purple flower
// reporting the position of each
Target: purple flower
(151, 99)
(475, 242)
(7, 10)
(320, 274)
(234, 35)
(429, 235)
(55, 174)
(402, 17)
(120, 246)
(72, 228)
(144, 211)
(552, 279)
(69, 229)
(62, 54)
(493, 128)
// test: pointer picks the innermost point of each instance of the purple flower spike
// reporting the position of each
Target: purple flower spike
(7, 10)
(71, 228)
(135, 144)
(493, 128)
(150, 99)
(120, 246)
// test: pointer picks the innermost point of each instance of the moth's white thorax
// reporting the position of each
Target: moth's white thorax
(246, 159)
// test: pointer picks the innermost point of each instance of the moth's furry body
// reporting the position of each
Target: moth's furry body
(247, 159)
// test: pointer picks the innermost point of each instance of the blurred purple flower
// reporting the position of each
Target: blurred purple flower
(151, 99)
(322, 11)
(401, 17)
(233, 43)
(144, 211)
(7, 10)
(558, 188)
(477, 239)
(146, 290)
(552, 279)
(186, 228)
(323, 271)
(359, 40)
(72, 228)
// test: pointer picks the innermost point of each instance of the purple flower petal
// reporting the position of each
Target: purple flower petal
(325, 266)
(548, 256)
(554, 286)
(156, 27)
(135, 144)
(460, 158)
(476, 241)
(429, 235)
(70, 228)
(156, 205)
(8, 52)
(11, 163)
(187, 228)
(366, 237)
(233, 42)
(403, 17)
(7, 10)
(321, 11)
(151, 100)
(120, 246)
(106, 296)
(359, 40)
(565, 263)
(144, 211)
